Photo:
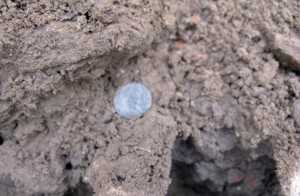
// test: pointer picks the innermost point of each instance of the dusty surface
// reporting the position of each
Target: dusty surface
(224, 77)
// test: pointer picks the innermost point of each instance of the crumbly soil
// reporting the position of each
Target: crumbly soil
(224, 76)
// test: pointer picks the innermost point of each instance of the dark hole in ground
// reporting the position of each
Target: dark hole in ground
(80, 190)
(1, 139)
(194, 174)
(69, 166)
(120, 179)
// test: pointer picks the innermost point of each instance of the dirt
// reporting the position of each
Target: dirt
(224, 77)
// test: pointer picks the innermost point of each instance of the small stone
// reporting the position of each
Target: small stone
(235, 176)
(132, 100)
(286, 49)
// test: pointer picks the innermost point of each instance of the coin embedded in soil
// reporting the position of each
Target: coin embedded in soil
(132, 100)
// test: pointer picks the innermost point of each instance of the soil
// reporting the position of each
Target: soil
(224, 77)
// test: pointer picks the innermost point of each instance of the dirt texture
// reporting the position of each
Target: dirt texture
(224, 77)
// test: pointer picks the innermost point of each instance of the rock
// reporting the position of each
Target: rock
(287, 49)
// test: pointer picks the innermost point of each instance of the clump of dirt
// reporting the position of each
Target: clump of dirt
(224, 77)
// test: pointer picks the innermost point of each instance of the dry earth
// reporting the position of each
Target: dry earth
(224, 77)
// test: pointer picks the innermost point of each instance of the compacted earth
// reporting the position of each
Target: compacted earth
(225, 83)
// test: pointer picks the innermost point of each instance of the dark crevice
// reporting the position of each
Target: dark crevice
(87, 16)
(286, 65)
(80, 190)
(120, 179)
(194, 174)
(256, 39)
(1, 139)
(69, 166)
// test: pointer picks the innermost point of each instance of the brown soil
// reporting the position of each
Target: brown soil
(224, 76)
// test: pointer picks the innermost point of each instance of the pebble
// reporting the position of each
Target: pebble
(286, 48)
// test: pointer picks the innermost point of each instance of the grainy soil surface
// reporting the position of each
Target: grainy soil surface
(224, 77)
